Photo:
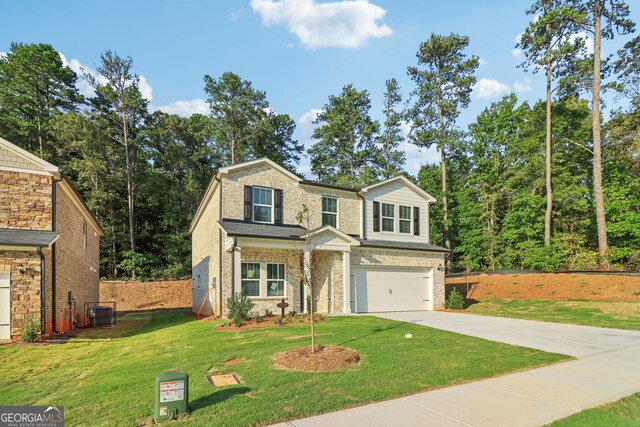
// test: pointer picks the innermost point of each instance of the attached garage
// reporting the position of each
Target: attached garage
(384, 288)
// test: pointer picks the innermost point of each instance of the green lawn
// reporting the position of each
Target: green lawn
(623, 413)
(110, 381)
(607, 314)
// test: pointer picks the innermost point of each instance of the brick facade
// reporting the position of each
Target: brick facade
(26, 203)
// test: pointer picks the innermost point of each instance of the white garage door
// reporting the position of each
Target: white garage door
(390, 289)
(5, 307)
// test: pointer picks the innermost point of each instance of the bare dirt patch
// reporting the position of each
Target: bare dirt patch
(233, 361)
(325, 358)
(270, 322)
(563, 286)
(140, 296)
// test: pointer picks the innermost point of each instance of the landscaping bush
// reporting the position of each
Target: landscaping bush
(239, 308)
(455, 301)
(29, 331)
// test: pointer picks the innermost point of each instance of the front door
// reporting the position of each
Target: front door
(5, 306)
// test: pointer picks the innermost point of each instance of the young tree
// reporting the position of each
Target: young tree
(601, 19)
(34, 88)
(122, 105)
(345, 153)
(444, 80)
(547, 45)
(309, 261)
(236, 110)
(391, 136)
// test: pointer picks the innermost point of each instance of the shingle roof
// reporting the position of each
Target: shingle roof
(28, 238)
(325, 185)
(415, 246)
(248, 229)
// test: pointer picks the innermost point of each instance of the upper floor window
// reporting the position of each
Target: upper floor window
(330, 211)
(84, 235)
(262, 204)
(404, 216)
(388, 217)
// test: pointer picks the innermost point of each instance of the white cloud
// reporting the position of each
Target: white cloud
(87, 90)
(3, 55)
(185, 108)
(488, 88)
(517, 52)
(523, 86)
(588, 41)
(306, 127)
(305, 170)
(233, 16)
(346, 24)
(482, 62)
(145, 89)
(416, 157)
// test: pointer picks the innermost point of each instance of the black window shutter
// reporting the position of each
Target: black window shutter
(277, 206)
(376, 216)
(248, 202)
(416, 221)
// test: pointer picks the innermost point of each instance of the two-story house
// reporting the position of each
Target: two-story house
(370, 246)
(49, 246)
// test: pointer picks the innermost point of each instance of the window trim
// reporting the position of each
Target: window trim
(336, 213)
(85, 235)
(259, 280)
(283, 279)
(383, 217)
(254, 204)
(263, 292)
(410, 220)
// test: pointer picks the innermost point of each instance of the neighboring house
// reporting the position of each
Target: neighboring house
(372, 245)
(49, 245)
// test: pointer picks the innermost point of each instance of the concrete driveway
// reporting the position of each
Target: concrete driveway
(607, 368)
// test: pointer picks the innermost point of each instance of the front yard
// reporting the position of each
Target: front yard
(606, 314)
(622, 413)
(110, 381)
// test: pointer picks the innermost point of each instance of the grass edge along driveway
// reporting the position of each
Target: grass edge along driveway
(111, 381)
(604, 314)
(621, 413)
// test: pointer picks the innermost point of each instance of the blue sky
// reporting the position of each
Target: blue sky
(298, 51)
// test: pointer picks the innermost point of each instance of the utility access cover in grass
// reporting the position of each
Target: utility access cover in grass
(223, 379)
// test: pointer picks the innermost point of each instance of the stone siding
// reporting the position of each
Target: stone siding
(25, 201)
(293, 197)
(384, 257)
(25, 288)
(205, 263)
(328, 287)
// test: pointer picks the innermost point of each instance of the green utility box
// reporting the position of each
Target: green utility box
(172, 396)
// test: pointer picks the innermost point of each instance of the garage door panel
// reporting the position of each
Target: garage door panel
(390, 289)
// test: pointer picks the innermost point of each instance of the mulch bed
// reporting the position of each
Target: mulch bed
(268, 322)
(325, 358)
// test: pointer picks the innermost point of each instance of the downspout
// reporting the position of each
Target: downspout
(53, 255)
(363, 226)
(219, 284)
(42, 288)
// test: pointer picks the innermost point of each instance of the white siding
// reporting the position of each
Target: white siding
(396, 193)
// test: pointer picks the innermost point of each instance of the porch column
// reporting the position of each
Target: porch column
(346, 281)
(307, 276)
(237, 272)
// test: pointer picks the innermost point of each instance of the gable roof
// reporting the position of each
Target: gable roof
(332, 230)
(36, 161)
(419, 191)
(257, 162)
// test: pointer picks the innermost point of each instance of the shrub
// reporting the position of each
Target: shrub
(455, 301)
(239, 307)
(256, 316)
(29, 331)
(268, 313)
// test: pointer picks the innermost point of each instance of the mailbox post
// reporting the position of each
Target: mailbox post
(172, 396)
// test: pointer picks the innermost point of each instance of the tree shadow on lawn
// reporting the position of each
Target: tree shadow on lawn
(374, 331)
(161, 319)
(217, 397)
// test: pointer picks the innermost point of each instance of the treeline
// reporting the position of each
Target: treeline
(545, 186)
